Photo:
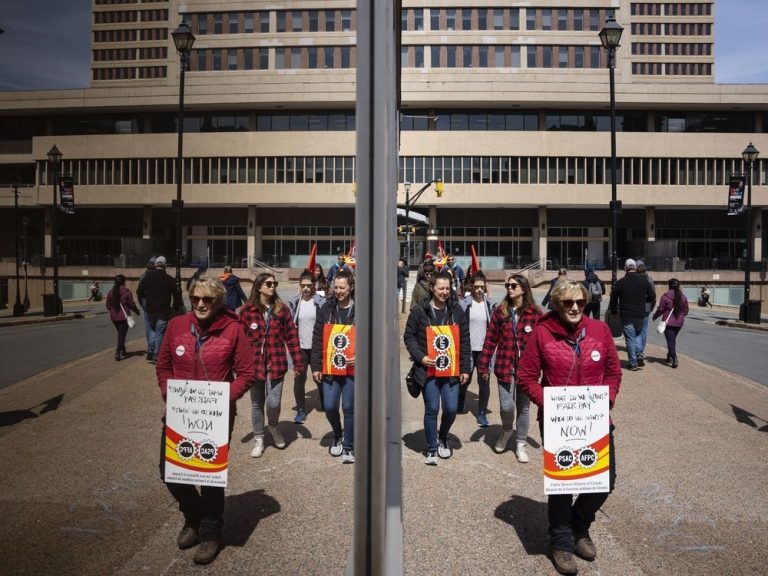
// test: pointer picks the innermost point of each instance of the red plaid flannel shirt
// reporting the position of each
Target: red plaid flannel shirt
(506, 343)
(282, 333)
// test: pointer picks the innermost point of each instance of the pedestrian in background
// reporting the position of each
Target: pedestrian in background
(235, 295)
(402, 278)
(207, 344)
(421, 291)
(456, 271)
(512, 324)
(321, 284)
(569, 349)
(704, 297)
(270, 329)
(650, 303)
(119, 305)
(673, 308)
(562, 274)
(596, 289)
(628, 300)
(95, 292)
(148, 333)
(162, 299)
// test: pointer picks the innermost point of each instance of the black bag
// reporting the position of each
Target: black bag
(413, 388)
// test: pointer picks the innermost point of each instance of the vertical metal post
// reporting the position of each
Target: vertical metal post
(179, 204)
(55, 239)
(748, 263)
(377, 539)
(614, 204)
(18, 307)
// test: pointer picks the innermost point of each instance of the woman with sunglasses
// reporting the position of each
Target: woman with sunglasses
(208, 344)
(569, 349)
(270, 328)
(435, 315)
(512, 324)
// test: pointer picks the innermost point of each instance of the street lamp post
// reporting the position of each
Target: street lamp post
(54, 157)
(25, 248)
(610, 36)
(183, 39)
(18, 307)
(410, 202)
(749, 155)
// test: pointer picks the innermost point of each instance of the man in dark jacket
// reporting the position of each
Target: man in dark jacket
(157, 290)
(628, 299)
(235, 295)
(596, 289)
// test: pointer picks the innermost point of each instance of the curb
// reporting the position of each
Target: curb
(740, 324)
(22, 322)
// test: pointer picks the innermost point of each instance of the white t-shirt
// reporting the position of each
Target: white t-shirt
(306, 320)
(478, 325)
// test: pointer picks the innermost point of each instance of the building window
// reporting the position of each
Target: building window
(234, 22)
(264, 22)
(466, 19)
(297, 23)
(346, 56)
(218, 23)
(281, 21)
(530, 18)
(312, 58)
(418, 19)
(248, 21)
(295, 58)
(346, 20)
(202, 24)
(232, 59)
(216, 59)
(418, 56)
(515, 56)
(434, 18)
(578, 19)
(314, 16)
(330, 20)
(546, 19)
(531, 54)
(498, 19)
(279, 58)
(263, 59)
(328, 57)
(483, 56)
(450, 19)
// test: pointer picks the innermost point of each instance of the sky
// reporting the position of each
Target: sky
(46, 43)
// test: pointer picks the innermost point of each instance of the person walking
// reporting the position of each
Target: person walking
(421, 291)
(341, 264)
(207, 344)
(596, 289)
(95, 292)
(402, 278)
(649, 305)
(304, 309)
(569, 349)
(704, 296)
(162, 298)
(337, 312)
(235, 295)
(673, 308)
(438, 315)
(478, 309)
(512, 324)
(628, 299)
(562, 274)
(119, 305)
(270, 329)
(456, 271)
(321, 284)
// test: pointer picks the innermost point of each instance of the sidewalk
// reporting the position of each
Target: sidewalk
(82, 495)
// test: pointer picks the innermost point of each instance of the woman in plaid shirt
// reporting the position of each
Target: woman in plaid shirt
(270, 329)
(512, 323)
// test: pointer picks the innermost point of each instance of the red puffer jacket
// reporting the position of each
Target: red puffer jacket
(220, 354)
(551, 350)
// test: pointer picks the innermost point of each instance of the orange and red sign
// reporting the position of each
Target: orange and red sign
(443, 347)
(338, 349)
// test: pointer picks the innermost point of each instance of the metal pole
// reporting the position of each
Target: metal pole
(614, 206)
(748, 263)
(24, 225)
(407, 227)
(179, 204)
(55, 240)
(18, 307)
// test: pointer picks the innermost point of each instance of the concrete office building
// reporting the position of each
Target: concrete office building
(506, 102)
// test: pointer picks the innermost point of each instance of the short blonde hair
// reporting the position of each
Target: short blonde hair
(567, 288)
(211, 286)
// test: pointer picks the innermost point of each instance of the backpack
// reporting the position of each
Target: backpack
(595, 291)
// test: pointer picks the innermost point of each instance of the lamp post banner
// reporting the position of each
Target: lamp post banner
(736, 195)
(576, 440)
(197, 432)
(67, 195)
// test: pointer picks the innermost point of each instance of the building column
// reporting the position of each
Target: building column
(146, 225)
(540, 247)
(757, 233)
(254, 238)
(432, 239)
(650, 223)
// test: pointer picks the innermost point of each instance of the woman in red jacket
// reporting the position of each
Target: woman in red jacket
(512, 324)
(570, 349)
(270, 328)
(209, 344)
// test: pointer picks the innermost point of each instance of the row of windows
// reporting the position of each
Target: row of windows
(451, 169)
(285, 21)
(141, 72)
(672, 69)
(116, 54)
(673, 49)
(108, 2)
(678, 9)
(142, 34)
(673, 29)
(296, 58)
(123, 16)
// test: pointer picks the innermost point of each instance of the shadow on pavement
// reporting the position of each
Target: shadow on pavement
(243, 514)
(748, 418)
(529, 519)
(15, 416)
(417, 442)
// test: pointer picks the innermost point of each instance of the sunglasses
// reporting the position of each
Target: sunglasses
(207, 300)
(511, 286)
(479, 286)
(568, 304)
(270, 283)
(306, 286)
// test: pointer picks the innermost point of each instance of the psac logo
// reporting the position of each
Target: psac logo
(566, 458)
(207, 450)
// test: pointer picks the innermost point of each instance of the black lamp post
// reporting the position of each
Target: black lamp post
(410, 202)
(54, 157)
(610, 36)
(25, 248)
(183, 39)
(750, 154)
(18, 307)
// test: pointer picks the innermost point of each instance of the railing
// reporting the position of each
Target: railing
(252, 262)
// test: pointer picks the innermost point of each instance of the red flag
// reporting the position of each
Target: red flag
(475, 265)
(351, 258)
(312, 254)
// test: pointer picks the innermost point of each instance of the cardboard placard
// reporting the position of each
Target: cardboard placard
(338, 349)
(443, 346)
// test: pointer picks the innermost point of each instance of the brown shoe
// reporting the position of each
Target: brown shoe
(585, 547)
(564, 562)
(187, 537)
(206, 552)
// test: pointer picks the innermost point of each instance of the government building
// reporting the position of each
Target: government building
(506, 102)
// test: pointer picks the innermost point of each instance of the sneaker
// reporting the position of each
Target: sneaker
(336, 448)
(522, 455)
(187, 537)
(301, 416)
(277, 437)
(443, 450)
(150, 356)
(640, 361)
(431, 459)
(502, 441)
(633, 368)
(482, 419)
(206, 552)
(564, 562)
(347, 456)
(585, 547)
(258, 447)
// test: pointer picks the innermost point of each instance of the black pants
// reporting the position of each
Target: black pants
(484, 386)
(203, 508)
(300, 381)
(122, 331)
(593, 309)
(568, 518)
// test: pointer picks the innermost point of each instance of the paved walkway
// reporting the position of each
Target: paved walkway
(81, 493)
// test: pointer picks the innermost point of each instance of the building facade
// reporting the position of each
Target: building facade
(505, 102)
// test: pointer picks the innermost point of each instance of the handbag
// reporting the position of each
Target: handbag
(413, 388)
(129, 319)
(663, 323)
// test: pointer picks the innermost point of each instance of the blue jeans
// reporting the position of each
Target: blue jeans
(156, 328)
(633, 331)
(643, 337)
(148, 334)
(340, 390)
(435, 390)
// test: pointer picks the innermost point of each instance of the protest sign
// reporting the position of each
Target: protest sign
(576, 447)
(338, 349)
(443, 348)
(197, 432)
